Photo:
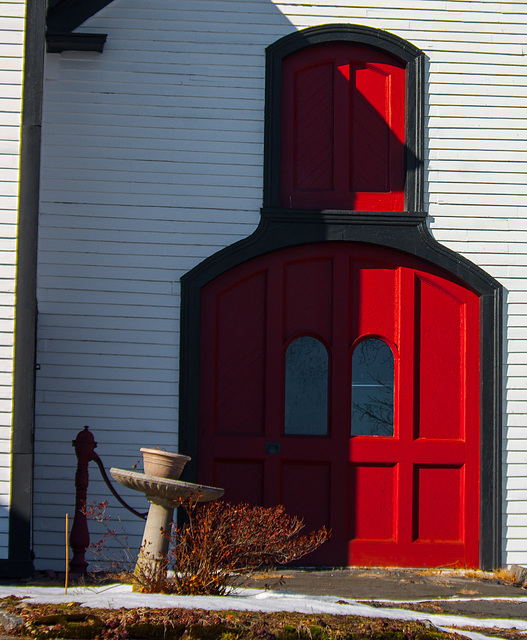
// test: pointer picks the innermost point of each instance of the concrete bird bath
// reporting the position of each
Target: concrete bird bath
(163, 495)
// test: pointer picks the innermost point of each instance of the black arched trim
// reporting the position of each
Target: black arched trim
(334, 33)
(278, 230)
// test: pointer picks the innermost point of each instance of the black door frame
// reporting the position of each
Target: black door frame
(277, 231)
(406, 232)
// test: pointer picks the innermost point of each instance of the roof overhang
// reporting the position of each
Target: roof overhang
(66, 15)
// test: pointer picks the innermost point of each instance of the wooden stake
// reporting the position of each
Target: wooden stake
(67, 558)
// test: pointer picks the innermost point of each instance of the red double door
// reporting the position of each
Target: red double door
(405, 494)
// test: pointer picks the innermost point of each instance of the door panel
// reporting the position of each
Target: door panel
(227, 473)
(375, 497)
(313, 503)
(238, 402)
(408, 498)
(438, 490)
(299, 309)
(439, 350)
(342, 129)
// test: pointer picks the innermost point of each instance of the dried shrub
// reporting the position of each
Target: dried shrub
(222, 540)
(112, 551)
(219, 543)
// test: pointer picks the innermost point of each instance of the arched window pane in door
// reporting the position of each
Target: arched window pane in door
(306, 387)
(372, 370)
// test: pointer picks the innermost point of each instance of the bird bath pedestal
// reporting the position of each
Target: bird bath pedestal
(163, 495)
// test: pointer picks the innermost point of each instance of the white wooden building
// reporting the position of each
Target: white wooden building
(152, 160)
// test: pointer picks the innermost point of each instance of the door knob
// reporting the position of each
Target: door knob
(272, 448)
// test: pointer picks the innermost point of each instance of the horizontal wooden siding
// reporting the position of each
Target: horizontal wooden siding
(152, 161)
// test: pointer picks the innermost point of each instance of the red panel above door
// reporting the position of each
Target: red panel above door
(343, 129)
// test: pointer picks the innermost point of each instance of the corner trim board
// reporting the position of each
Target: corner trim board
(20, 557)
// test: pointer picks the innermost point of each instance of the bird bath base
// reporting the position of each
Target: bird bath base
(164, 495)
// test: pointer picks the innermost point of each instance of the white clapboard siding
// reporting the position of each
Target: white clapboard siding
(152, 161)
(12, 24)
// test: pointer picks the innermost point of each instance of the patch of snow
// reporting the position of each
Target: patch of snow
(117, 596)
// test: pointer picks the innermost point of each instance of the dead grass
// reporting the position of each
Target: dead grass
(498, 574)
(50, 622)
(509, 634)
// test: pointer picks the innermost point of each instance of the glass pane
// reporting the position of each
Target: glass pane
(306, 387)
(372, 389)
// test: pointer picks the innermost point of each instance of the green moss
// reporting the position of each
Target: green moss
(304, 632)
(207, 631)
(77, 626)
(154, 631)
(228, 635)
(289, 631)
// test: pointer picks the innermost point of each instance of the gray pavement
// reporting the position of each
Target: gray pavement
(403, 585)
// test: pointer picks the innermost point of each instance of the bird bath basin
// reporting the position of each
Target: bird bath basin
(163, 495)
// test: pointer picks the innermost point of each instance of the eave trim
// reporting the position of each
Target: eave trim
(67, 15)
(59, 42)
(64, 17)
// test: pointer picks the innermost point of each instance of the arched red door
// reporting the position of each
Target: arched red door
(290, 412)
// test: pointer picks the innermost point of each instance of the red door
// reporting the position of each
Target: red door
(343, 382)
